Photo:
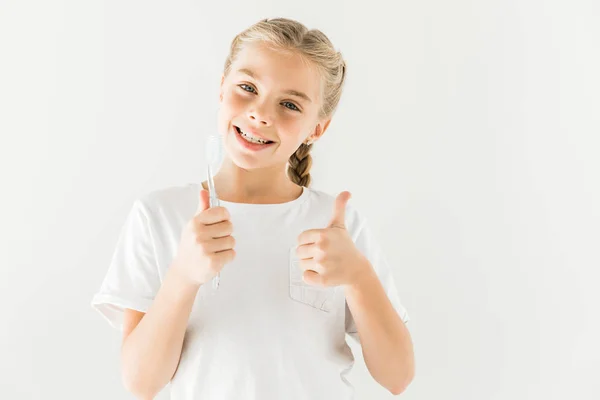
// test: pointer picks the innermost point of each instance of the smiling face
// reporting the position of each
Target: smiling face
(270, 97)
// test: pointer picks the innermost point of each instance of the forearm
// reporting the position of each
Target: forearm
(151, 353)
(386, 343)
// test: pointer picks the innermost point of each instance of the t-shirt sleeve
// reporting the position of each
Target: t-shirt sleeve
(132, 279)
(368, 246)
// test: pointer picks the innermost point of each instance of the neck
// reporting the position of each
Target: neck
(259, 186)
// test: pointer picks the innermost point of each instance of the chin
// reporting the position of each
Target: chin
(243, 161)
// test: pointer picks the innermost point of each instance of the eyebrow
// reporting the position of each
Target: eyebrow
(290, 92)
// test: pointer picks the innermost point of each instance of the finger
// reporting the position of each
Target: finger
(203, 201)
(213, 215)
(220, 244)
(311, 265)
(306, 251)
(218, 230)
(339, 210)
(223, 257)
(312, 278)
(310, 236)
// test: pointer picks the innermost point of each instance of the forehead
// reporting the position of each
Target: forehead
(279, 69)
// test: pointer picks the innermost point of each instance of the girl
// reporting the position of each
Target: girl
(303, 270)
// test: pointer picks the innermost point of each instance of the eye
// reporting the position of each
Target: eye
(291, 106)
(247, 88)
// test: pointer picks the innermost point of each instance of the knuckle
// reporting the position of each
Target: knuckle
(198, 229)
(202, 235)
(205, 254)
(224, 213)
(322, 245)
(323, 257)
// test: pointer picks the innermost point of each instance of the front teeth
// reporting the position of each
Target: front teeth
(251, 139)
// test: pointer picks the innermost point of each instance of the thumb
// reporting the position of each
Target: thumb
(203, 203)
(339, 210)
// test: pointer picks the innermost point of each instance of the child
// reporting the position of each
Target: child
(303, 270)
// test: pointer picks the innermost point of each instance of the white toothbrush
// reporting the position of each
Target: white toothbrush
(214, 153)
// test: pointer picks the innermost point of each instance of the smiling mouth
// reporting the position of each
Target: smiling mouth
(250, 138)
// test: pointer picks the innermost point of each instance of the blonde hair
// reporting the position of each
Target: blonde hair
(289, 35)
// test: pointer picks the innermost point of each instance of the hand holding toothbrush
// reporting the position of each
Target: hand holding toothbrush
(206, 243)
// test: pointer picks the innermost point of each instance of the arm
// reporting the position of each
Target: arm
(152, 342)
(151, 351)
(386, 343)
(329, 257)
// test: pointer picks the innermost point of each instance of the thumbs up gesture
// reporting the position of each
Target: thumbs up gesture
(328, 256)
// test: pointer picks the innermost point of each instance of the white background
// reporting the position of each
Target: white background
(467, 133)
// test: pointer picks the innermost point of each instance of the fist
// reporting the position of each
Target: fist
(206, 243)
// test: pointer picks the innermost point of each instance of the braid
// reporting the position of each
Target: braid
(299, 165)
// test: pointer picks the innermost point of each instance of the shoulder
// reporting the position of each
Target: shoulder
(180, 199)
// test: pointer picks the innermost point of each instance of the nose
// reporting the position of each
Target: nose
(259, 115)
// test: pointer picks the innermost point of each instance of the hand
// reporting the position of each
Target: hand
(328, 256)
(206, 243)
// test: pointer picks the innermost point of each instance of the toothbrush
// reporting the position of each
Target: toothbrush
(213, 159)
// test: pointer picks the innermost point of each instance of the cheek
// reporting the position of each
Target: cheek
(231, 106)
(294, 128)
(235, 102)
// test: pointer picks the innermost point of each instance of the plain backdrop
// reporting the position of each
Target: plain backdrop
(467, 133)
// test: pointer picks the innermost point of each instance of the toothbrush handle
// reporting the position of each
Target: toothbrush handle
(214, 202)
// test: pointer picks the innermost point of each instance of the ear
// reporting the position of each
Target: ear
(319, 131)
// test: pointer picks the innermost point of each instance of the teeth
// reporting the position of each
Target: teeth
(252, 139)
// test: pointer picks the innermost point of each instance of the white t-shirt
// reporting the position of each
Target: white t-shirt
(263, 334)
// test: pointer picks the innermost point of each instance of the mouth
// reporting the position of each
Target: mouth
(252, 139)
